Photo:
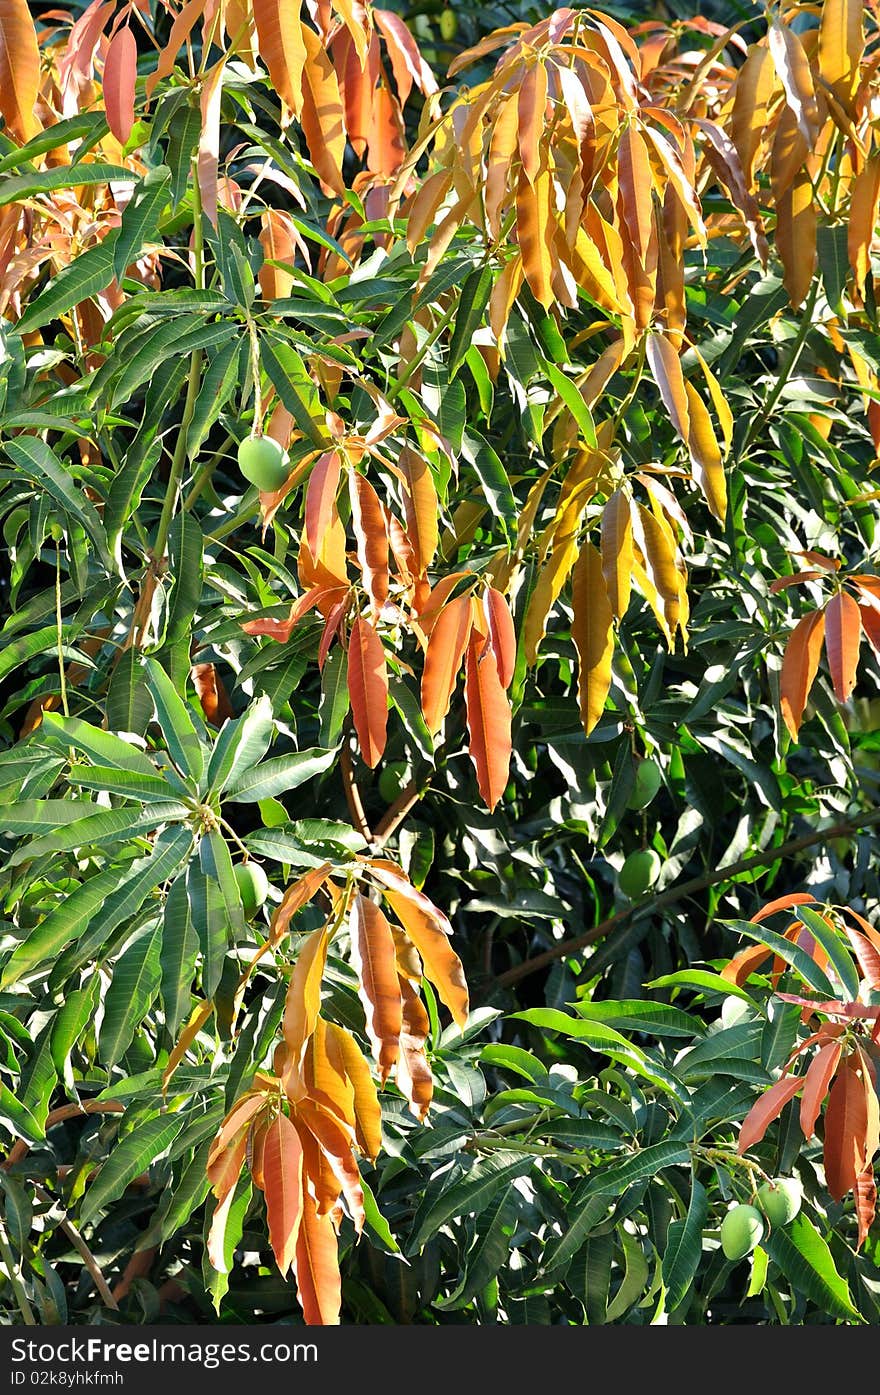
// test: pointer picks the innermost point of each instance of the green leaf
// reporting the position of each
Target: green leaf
(469, 1196)
(217, 865)
(491, 474)
(642, 1015)
(589, 1277)
(64, 132)
(704, 980)
(18, 1119)
(218, 381)
(100, 746)
(830, 940)
(18, 1213)
(684, 1248)
(140, 218)
(70, 1022)
(280, 775)
(129, 705)
(130, 1157)
(62, 925)
(290, 378)
(646, 1163)
(180, 945)
(28, 186)
(185, 549)
(107, 826)
(798, 958)
(241, 745)
(34, 815)
(184, 746)
(806, 1261)
(86, 276)
(634, 1279)
(587, 1211)
(574, 402)
(334, 702)
(40, 463)
(132, 990)
(376, 1222)
(489, 1252)
(468, 316)
(831, 246)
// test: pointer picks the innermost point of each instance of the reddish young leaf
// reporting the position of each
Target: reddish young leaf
(747, 962)
(368, 521)
(800, 665)
(816, 1084)
(782, 903)
(843, 631)
(321, 491)
(368, 690)
(321, 116)
(420, 506)
(120, 76)
(373, 960)
(867, 954)
(316, 1265)
(846, 1126)
(488, 720)
(446, 646)
(783, 582)
(211, 693)
(391, 876)
(283, 1188)
(332, 626)
(865, 1193)
(282, 48)
(502, 636)
(870, 618)
(766, 1109)
(238, 1118)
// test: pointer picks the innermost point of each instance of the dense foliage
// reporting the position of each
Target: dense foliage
(439, 640)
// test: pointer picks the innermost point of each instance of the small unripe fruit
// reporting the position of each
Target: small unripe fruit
(261, 460)
(448, 22)
(253, 884)
(393, 779)
(639, 871)
(741, 1230)
(780, 1200)
(648, 781)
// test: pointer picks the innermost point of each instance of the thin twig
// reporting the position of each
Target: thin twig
(79, 1244)
(676, 893)
(352, 793)
(14, 1276)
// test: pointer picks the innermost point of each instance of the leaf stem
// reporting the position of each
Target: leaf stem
(14, 1276)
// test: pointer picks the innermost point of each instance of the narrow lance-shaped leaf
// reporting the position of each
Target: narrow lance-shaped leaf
(592, 630)
(282, 1184)
(843, 631)
(368, 690)
(120, 75)
(446, 646)
(766, 1109)
(373, 959)
(19, 69)
(800, 664)
(371, 537)
(318, 1283)
(488, 720)
(441, 964)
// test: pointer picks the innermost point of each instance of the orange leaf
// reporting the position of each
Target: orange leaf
(19, 69)
(373, 960)
(224, 1166)
(742, 965)
(282, 48)
(592, 629)
(209, 140)
(841, 42)
(407, 64)
(325, 1077)
(816, 1083)
(846, 1124)
(502, 636)
(617, 552)
(705, 454)
(211, 693)
(120, 75)
(843, 631)
(867, 954)
(796, 223)
(321, 492)
(367, 1110)
(316, 1266)
(391, 876)
(793, 69)
(414, 1077)
(752, 94)
(238, 1119)
(636, 185)
(864, 203)
(183, 25)
(488, 720)
(782, 903)
(371, 536)
(531, 109)
(279, 240)
(321, 115)
(441, 964)
(766, 1109)
(535, 229)
(294, 898)
(336, 1140)
(368, 690)
(446, 646)
(304, 996)
(283, 1189)
(420, 507)
(799, 667)
(865, 1193)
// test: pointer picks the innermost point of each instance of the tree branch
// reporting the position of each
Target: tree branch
(677, 893)
(352, 793)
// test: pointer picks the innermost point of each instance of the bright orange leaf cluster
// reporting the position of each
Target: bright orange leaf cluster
(301, 1129)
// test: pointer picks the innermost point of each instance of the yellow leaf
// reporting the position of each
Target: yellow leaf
(342, 1046)
(592, 630)
(441, 964)
(705, 454)
(547, 589)
(282, 48)
(841, 42)
(304, 997)
(535, 228)
(617, 552)
(796, 224)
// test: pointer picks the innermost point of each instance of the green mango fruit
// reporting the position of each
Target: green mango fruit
(648, 782)
(741, 1230)
(638, 873)
(780, 1200)
(253, 885)
(261, 460)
